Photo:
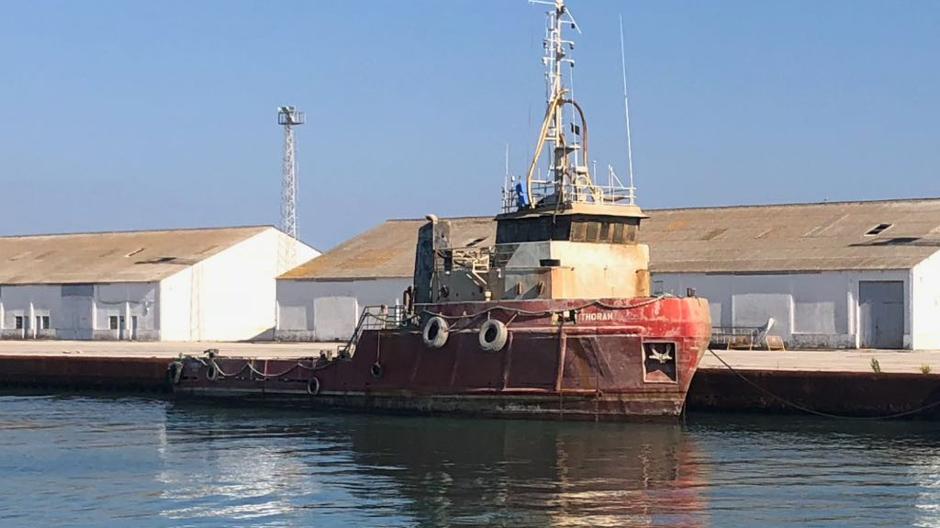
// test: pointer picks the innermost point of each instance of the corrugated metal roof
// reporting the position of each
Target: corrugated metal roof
(388, 250)
(793, 237)
(737, 239)
(129, 256)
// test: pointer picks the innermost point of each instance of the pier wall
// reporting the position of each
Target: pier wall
(835, 393)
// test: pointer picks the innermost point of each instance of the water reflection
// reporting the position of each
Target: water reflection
(120, 461)
(547, 474)
(441, 471)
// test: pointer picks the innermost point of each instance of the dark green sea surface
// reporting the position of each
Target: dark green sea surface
(106, 461)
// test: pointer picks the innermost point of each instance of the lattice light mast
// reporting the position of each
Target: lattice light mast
(289, 117)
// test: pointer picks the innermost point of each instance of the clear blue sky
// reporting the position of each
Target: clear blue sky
(126, 115)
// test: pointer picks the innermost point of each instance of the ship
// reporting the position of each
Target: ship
(554, 320)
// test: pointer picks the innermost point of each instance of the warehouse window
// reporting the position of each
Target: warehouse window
(78, 290)
(42, 322)
(113, 322)
(18, 320)
(878, 229)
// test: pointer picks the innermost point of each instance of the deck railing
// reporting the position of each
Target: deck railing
(612, 194)
(375, 317)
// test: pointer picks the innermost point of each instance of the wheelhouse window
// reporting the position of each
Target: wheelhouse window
(576, 228)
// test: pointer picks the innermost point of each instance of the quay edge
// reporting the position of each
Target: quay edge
(849, 394)
(60, 373)
(858, 394)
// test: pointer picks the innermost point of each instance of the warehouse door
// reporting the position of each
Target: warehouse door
(881, 314)
(334, 318)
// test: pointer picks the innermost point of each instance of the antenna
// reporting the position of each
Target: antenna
(289, 117)
(568, 177)
(626, 116)
(507, 190)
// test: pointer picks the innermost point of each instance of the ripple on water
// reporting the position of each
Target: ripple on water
(107, 461)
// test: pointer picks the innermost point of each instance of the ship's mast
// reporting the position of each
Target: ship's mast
(567, 177)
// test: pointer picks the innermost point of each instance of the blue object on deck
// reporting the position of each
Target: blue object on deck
(522, 199)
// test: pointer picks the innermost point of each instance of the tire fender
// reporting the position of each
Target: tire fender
(493, 335)
(435, 332)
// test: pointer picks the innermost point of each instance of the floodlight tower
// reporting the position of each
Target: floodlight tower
(289, 117)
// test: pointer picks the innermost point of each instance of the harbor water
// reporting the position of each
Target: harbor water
(128, 461)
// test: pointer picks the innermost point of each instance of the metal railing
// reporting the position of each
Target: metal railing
(376, 317)
(550, 192)
(382, 317)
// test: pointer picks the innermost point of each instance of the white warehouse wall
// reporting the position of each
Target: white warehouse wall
(83, 316)
(925, 298)
(813, 310)
(175, 306)
(28, 301)
(231, 295)
(126, 300)
(298, 302)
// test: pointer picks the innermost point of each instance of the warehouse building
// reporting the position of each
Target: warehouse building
(830, 275)
(175, 285)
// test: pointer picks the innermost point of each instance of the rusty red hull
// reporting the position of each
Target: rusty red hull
(609, 359)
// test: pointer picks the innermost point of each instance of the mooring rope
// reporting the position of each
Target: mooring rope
(805, 409)
(212, 365)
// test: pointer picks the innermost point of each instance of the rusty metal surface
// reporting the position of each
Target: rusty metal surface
(130, 256)
(533, 375)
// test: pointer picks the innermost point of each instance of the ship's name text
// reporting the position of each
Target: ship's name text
(597, 316)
